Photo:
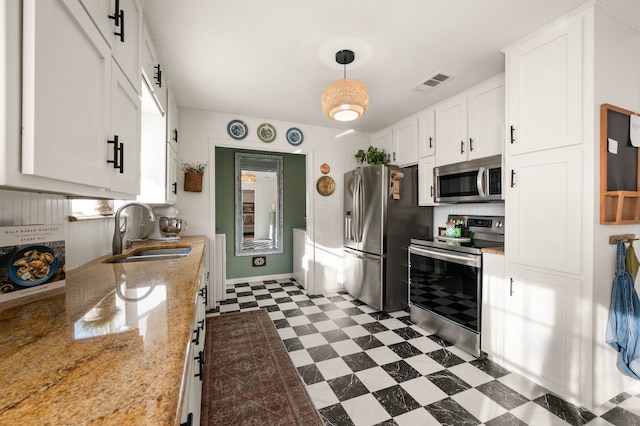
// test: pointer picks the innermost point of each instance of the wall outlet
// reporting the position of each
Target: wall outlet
(259, 260)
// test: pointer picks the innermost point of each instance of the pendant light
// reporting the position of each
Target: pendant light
(346, 99)
(247, 178)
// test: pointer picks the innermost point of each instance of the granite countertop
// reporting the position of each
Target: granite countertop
(109, 348)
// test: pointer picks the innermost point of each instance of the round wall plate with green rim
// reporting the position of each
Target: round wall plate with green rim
(266, 132)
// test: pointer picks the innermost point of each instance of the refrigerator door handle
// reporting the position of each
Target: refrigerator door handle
(363, 256)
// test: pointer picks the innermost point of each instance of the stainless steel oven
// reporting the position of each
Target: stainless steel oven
(445, 281)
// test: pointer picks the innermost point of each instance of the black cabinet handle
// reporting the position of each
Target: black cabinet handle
(200, 359)
(175, 187)
(118, 154)
(510, 286)
(196, 340)
(116, 14)
(189, 421)
(513, 178)
(175, 135)
(461, 147)
(430, 142)
(121, 33)
(470, 144)
(513, 134)
(158, 75)
(204, 294)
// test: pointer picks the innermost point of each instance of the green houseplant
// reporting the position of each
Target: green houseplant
(372, 155)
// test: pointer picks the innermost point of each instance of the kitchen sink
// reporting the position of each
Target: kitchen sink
(143, 255)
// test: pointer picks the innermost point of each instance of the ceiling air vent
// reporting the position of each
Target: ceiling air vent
(432, 82)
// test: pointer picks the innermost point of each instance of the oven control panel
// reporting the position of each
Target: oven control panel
(484, 224)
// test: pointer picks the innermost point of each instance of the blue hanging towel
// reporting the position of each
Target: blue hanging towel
(623, 326)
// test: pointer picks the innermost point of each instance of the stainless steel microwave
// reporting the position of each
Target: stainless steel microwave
(470, 181)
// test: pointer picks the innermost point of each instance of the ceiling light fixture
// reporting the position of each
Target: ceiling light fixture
(346, 99)
(248, 178)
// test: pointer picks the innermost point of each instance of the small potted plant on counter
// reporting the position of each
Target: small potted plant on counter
(372, 155)
(193, 173)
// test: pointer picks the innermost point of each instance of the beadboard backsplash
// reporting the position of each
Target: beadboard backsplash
(85, 240)
(440, 213)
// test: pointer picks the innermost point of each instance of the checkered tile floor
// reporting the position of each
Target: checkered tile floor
(366, 367)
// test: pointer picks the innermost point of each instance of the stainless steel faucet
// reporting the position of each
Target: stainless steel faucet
(118, 233)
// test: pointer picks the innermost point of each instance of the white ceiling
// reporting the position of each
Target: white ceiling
(271, 59)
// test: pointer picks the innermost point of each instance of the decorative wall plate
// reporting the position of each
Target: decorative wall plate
(325, 186)
(325, 168)
(295, 136)
(237, 129)
(266, 132)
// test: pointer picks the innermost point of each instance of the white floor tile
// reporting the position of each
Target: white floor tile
(322, 395)
(313, 340)
(299, 297)
(365, 410)
(363, 318)
(332, 368)
(425, 344)
(260, 292)
(300, 358)
(326, 325)
(389, 337)
(631, 404)
(524, 387)
(481, 406)
(299, 320)
(393, 323)
(397, 314)
(460, 353)
(245, 299)
(355, 331)
(375, 379)
(383, 355)
(286, 333)
(321, 301)
(308, 310)
(421, 330)
(229, 308)
(367, 309)
(345, 304)
(423, 391)
(336, 314)
(424, 364)
(533, 414)
(276, 315)
(470, 374)
(266, 302)
(416, 417)
(288, 306)
(346, 347)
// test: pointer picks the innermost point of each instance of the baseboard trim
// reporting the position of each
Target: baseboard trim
(234, 281)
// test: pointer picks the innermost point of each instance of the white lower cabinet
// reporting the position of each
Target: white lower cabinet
(493, 302)
(542, 328)
(192, 397)
(220, 269)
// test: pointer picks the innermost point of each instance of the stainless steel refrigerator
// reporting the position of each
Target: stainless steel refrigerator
(377, 232)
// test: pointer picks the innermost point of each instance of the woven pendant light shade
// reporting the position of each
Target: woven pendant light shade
(345, 100)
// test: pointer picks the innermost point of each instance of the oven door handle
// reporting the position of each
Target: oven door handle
(471, 260)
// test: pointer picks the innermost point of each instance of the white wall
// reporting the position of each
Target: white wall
(617, 82)
(201, 131)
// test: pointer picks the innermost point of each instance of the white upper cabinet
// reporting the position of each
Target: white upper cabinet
(470, 125)
(545, 89)
(173, 134)
(382, 140)
(425, 181)
(486, 118)
(122, 29)
(451, 130)
(75, 99)
(405, 142)
(427, 133)
(152, 70)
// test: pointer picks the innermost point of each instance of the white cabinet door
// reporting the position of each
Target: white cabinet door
(405, 142)
(494, 289)
(544, 205)
(542, 328)
(173, 135)
(172, 175)
(425, 181)
(66, 94)
(544, 80)
(451, 130)
(125, 124)
(220, 267)
(152, 70)
(486, 119)
(382, 140)
(123, 38)
(299, 264)
(427, 133)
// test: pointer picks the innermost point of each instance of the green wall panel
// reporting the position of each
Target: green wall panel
(294, 212)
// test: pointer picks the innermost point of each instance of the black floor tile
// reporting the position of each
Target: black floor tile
(507, 419)
(245, 305)
(502, 394)
(445, 358)
(335, 415)
(621, 417)
(335, 335)
(318, 317)
(347, 387)
(322, 353)
(407, 333)
(374, 327)
(568, 412)
(368, 342)
(405, 350)
(344, 322)
(293, 344)
(305, 329)
(489, 367)
(400, 371)
(396, 400)
(359, 361)
(449, 412)
(448, 382)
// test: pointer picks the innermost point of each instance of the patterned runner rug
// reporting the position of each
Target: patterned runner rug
(249, 378)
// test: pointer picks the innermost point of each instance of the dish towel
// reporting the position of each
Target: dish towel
(623, 325)
(631, 261)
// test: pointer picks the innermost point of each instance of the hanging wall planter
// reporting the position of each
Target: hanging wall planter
(193, 173)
